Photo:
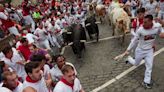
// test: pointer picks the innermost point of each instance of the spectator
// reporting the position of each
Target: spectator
(41, 33)
(56, 72)
(3, 67)
(68, 82)
(26, 14)
(10, 81)
(34, 78)
(24, 48)
(15, 61)
(7, 24)
(151, 8)
(38, 51)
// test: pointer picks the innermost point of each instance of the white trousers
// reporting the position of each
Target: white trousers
(14, 30)
(147, 55)
(28, 21)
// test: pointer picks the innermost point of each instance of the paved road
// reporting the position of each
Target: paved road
(98, 66)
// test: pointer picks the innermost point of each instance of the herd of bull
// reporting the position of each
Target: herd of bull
(118, 18)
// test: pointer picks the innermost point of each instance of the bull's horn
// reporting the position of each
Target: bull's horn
(97, 22)
(69, 32)
(70, 43)
(82, 40)
(88, 24)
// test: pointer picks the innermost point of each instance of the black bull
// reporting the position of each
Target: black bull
(76, 34)
(92, 27)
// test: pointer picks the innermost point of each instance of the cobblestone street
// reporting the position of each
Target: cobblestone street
(97, 65)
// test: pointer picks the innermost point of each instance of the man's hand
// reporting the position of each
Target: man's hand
(121, 55)
(126, 52)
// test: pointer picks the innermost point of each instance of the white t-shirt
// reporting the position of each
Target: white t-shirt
(16, 67)
(146, 37)
(56, 73)
(62, 87)
(39, 86)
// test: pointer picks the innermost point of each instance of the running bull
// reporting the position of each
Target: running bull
(76, 37)
(92, 27)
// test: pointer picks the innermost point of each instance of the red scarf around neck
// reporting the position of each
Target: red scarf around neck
(66, 82)
(28, 79)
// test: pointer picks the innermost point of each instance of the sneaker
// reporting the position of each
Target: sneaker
(146, 85)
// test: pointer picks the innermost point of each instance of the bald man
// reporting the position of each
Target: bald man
(29, 89)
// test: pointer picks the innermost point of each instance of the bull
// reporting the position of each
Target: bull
(76, 38)
(98, 10)
(92, 27)
(120, 22)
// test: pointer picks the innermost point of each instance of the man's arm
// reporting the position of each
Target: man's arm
(133, 41)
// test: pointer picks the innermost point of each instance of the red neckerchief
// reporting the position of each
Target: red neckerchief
(18, 83)
(28, 79)
(66, 82)
(140, 22)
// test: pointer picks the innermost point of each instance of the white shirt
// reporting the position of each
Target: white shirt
(41, 33)
(46, 71)
(39, 86)
(31, 38)
(56, 73)
(19, 88)
(62, 87)
(146, 37)
(3, 89)
(19, 69)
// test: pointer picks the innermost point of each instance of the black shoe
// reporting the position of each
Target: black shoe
(146, 85)
(126, 62)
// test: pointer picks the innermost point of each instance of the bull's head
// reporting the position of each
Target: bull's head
(91, 7)
(123, 26)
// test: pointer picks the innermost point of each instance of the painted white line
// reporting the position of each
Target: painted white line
(123, 74)
(62, 51)
(107, 38)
